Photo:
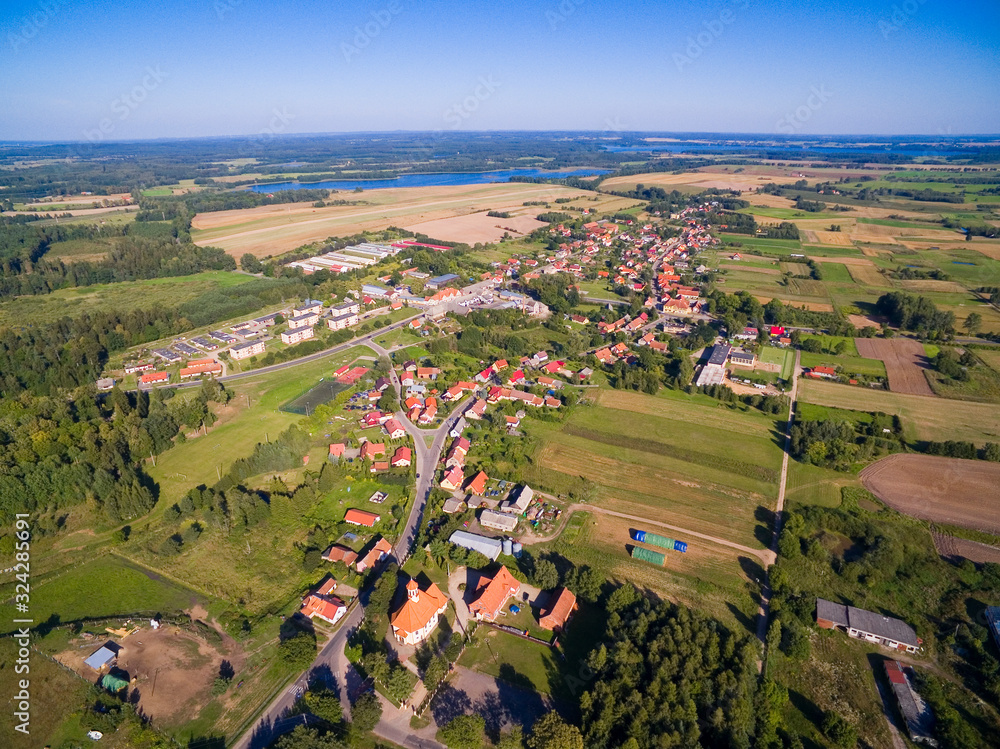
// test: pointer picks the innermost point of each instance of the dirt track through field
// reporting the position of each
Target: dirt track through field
(905, 361)
(965, 493)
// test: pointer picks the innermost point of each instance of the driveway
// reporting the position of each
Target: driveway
(501, 704)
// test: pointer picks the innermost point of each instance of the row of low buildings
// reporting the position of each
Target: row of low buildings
(350, 258)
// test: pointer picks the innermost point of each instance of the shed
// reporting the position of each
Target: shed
(105, 656)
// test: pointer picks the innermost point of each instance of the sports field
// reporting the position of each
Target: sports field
(923, 417)
(274, 229)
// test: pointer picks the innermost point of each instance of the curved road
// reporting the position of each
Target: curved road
(364, 340)
(272, 720)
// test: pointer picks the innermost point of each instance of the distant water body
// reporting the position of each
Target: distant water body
(425, 180)
(688, 147)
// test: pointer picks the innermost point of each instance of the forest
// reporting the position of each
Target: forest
(917, 314)
(56, 453)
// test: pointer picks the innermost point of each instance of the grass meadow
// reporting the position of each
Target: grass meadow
(923, 418)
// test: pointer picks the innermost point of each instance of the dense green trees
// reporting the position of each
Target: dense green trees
(56, 453)
(668, 676)
(366, 712)
(464, 732)
(130, 259)
(916, 313)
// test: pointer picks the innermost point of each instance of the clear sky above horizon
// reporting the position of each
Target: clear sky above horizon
(123, 69)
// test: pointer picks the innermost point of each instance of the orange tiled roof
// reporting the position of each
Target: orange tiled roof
(416, 613)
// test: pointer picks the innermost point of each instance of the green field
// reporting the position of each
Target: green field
(845, 364)
(104, 587)
(201, 460)
(55, 694)
(764, 244)
(163, 292)
(689, 468)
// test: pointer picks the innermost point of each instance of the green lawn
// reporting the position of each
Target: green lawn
(846, 364)
(515, 660)
(106, 586)
(201, 460)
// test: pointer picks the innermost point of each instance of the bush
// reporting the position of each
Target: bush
(464, 732)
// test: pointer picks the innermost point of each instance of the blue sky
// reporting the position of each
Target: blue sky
(122, 69)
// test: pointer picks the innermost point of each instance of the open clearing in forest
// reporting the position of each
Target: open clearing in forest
(965, 493)
(275, 229)
(905, 361)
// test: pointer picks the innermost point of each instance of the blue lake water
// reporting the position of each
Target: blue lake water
(425, 180)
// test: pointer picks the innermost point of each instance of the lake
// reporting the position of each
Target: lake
(425, 180)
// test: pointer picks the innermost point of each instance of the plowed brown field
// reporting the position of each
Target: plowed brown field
(944, 490)
(905, 362)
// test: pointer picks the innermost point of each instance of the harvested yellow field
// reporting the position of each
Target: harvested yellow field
(796, 302)
(835, 238)
(702, 180)
(476, 227)
(274, 229)
(845, 260)
(932, 285)
(867, 275)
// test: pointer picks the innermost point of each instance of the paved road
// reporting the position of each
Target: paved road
(765, 594)
(272, 721)
(364, 340)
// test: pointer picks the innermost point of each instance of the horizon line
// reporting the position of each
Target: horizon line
(605, 134)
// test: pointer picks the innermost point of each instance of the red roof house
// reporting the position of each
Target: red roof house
(361, 517)
(492, 594)
(477, 485)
